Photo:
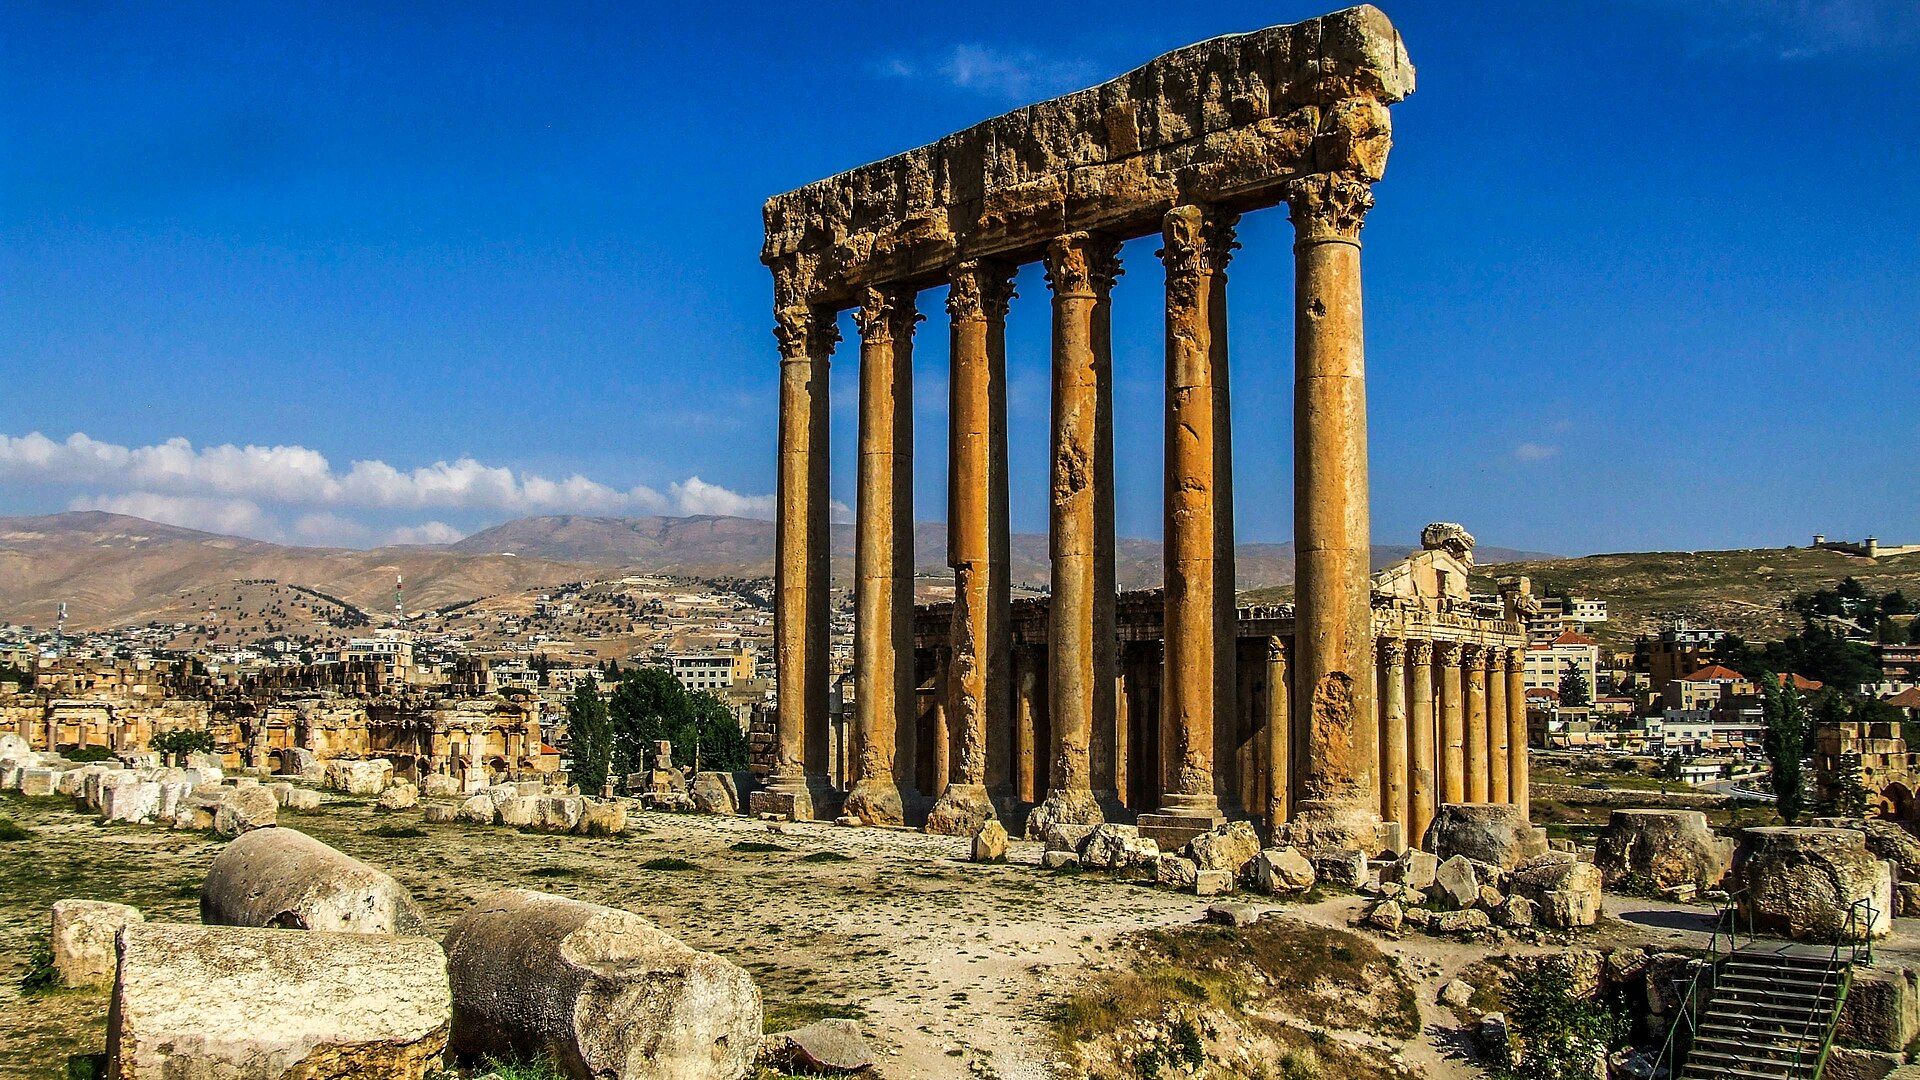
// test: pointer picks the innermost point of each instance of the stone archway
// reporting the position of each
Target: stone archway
(1896, 802)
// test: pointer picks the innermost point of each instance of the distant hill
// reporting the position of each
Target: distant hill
(113, 570)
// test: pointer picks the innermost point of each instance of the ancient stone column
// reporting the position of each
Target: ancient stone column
(1519, 789)
(1395, 763)
(1333, 637)
(1197, 247)
(1420, 742)
(1279, 737)
(1497, 782)
(1474, 660)
(801, 591)
(1080, 270)
(1453, 755)
(1029, 769)
(980, 700)
(884, 707)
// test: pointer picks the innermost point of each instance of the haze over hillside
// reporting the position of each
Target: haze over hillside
(112, 569)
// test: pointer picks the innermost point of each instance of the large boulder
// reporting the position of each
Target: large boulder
(1565, 891)
(558, 813)
(715, 793)
(1116, 847)
(606, 992)
(399, 795)
(244, 809)
(1495, 833)
(136, 803)
(84, 932)
(1663, 849)
(1813, 884)
(219, 1002)
(439, 786)
(1282, 870)
(602, 817)
(359, 777)
(477, 810)
(1230, 847)
(285, 878)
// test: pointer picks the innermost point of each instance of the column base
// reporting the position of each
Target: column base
(798, 798)
(877, 802)
(1338, 826)
(1072, 806)
(961, 810)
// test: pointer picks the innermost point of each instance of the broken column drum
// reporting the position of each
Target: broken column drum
(1182, 147)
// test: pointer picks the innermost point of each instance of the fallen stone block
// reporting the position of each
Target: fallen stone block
(519, 812)
(602, 818)
(1213, 882)
(1415, 870)
(1117, 847)
(990, 843)
(303, 800)
(136, 803)
(439, 813)
(1813, 884)
(1230, 847)
(218, 1002)
(285, 878)
(39, 783)
(399, 795)
(1282, 870)
(1461, 922)
(1059, 860)
(359, 777)
(84, 932)
(439, 786)
(1497, 833)
(1565, 892)
(1066, 836)
(1386, 915)
(603, 990)
(478, 810)
(1455, 884)
(243, 810)
(715, 793)
(1340, 866)
(1662, 849)
(824, 1046)
(1175, 872)
(1233, 914)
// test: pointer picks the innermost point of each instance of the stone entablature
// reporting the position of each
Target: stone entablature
(1229, 122)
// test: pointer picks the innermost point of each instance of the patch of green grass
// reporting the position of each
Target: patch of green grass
(553, 872)
(668, 862)
(40, 975)
(10, 830)
(756, 847)
(88, 755)
(542, 1068)
(398, 832)
(787, 1015)
(825, 856)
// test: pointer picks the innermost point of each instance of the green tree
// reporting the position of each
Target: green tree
(1849, 793)
(1560, 1032)
(1786, 743)
(174, 746)
(1575, 691)
(649, 704)
(589, 737)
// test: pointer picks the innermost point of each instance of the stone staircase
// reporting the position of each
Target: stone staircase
(1769, 1016)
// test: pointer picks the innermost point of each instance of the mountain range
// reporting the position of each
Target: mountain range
(111, 569)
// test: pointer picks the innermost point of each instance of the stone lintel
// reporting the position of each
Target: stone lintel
(1228, 121)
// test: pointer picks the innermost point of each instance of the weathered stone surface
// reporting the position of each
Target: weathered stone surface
(1456, 993)
(285, 878)
(1882, 1010)
(1495, 833)
(477, 810)
(399, 795)
(303, 800)
(439, 786)
(603, 817)
(1175, 871)
(221, 1003)
(83, 939)
(439, 813)
(715, 793)
(1415, 869)
(243, 810)
(1116, 847)
(1282, 870)
(1462, 922)
(39, 783)
(1066, 837)
(605, 991)
(1230, 847)
(557, 813)
(1454, 883)
(1233, 914)
(1515, 913)
(1809, 884)
(1386, 915)
(359, 777)
(1343, 867)
(136, 803)
(990, 843)
(1565, 892)
(824, 1046)
(1213, 882)
(1059, 860)
(1663, 848)
(519, 812)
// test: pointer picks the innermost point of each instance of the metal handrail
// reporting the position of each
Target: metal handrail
(1726, 926)
(1851, 932)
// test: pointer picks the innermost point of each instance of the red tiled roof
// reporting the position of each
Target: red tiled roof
(1543, 692)
(1715, 673)
(545, 749)
(1801, 682)
(1573, 638)
(1906, 699)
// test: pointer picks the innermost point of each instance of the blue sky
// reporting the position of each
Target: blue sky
(1642, 274)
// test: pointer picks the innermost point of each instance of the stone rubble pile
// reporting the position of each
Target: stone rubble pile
(198, 797)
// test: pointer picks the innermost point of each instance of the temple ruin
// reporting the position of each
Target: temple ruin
(1181, 147)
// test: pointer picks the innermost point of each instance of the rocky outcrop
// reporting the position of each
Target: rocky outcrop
(285, 878)
(1662, 850)
(218, 1002)
(605, 991)
(1498, 834)
(83, 939)
(1813, 884)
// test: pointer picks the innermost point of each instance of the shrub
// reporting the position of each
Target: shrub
(1559, 1032)
(11, 831)
(40, 975)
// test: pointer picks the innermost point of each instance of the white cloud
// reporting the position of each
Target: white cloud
(329, 529)
(427, 532)
(1021, 75)
(1529, 451)
(225, 516)
(696, 496)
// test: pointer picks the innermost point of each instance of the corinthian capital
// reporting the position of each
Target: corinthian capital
(1329, 206)
(886, 314)
(1083, 265)
(1420, 653)
(980, 289)
(805, 332)
(1393, 652)
(1197, 242)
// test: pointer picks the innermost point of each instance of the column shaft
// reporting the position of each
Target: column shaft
(977, 304)
(1395, 763)
(1519, 786)
(1420, 742)
(1333, 638)
(1080, 270)
(1498, 787)
(884, 709)
(1279, 737)
(1453, 755)
(801, 586)
(1195, 254)
(1475, 664)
